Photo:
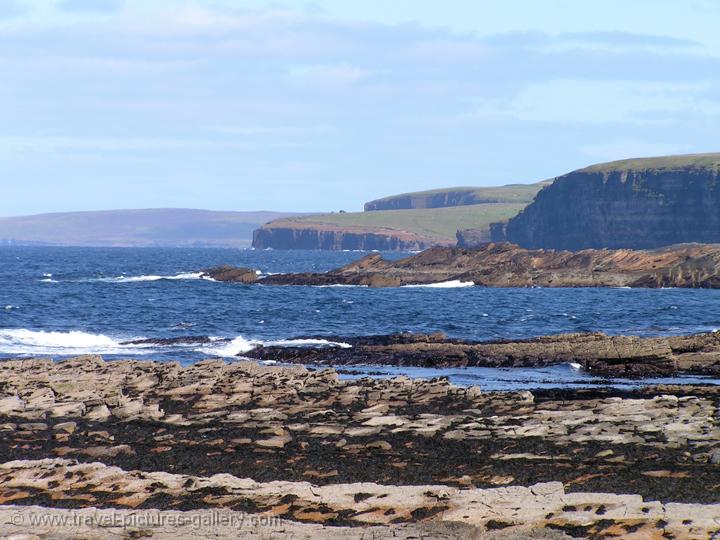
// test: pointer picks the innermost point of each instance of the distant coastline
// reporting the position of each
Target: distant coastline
(160, 227)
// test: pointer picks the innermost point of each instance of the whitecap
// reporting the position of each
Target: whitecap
(337, 285)
(232, 348)
(22, 341)
(49, 280)
(308, 343)
(152, 277)
(456, 283)
(241, 345)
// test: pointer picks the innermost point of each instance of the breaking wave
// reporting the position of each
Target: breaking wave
(442, 285)
(21, 341)
(135, 279)
(241, 345)
(24, 342)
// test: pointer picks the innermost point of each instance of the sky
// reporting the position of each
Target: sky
(323, 105)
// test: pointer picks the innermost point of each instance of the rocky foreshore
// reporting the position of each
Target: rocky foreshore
(322, 457)
(597, 353)
(507, 265)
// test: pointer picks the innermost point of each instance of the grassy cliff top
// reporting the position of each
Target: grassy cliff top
(439, 223)
(701, 161)
(511, 193)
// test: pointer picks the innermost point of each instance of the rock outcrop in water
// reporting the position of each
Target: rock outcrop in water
(642, 203)
(292, 453)
(599, 354)
(507, 265)
(328, 237)
(231, 273)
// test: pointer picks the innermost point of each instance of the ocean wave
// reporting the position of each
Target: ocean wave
(307, 343)
(226, 349)
(22, 341)
(151, 277)
(456, 283)
(241, 345)
(49, 280)
(337, 286)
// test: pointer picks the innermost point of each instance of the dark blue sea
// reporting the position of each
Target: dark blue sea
(60, 302)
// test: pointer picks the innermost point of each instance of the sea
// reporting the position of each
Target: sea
(60, 302)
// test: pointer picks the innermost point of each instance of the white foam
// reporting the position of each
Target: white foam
(231, 348)
(337, 285)
(33, 342)
(456, 283)
(49, 280)
(241, 345)
(307, 343)
(152, 277)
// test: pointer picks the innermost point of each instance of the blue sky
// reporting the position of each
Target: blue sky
(315, 106)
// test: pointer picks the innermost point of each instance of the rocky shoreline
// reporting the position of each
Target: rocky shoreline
(325, 457)
(597, 353)
(507, 265)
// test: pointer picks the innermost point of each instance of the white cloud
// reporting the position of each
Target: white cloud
(68, 144)
(92, 6)
(599, 102)
(328, 77)
(11, 8)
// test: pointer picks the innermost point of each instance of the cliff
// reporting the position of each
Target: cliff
(385, 230)
(507, 265)
(458, 196)
(640, 203)
(327, 237)
(471, 238)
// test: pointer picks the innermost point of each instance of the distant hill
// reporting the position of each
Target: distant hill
(457, 196)
(635, 203)
(171, 227)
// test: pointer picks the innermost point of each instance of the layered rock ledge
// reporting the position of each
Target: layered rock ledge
(597, 353)
(329, 457)
(507, 265)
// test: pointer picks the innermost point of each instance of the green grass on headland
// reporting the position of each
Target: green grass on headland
(440, 223)
(710, 161)
(512, 193)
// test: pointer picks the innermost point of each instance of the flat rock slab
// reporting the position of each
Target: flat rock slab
(306, 447)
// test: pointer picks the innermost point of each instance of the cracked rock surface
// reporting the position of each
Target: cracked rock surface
(328, 457)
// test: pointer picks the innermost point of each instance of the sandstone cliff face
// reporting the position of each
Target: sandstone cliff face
(442, 199)
(336, 238)
(458, 196)
(614, 207)
(470, 238)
